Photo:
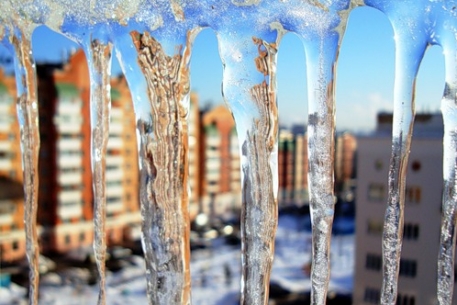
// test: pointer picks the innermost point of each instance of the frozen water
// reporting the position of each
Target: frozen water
(164, 169)
(19, 42)
(153, 40)
(416, 25)
(321, 26)
(99, 59)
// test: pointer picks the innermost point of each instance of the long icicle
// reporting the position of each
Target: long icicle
(27, 108)
(321, 133)
(99, 59)
(446, 256)
(408, 57)
(164, 171)
(259, 210)
(321, 27)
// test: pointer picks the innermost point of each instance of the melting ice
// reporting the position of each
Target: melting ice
(153, 40)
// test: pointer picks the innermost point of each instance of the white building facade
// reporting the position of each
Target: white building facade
(422, 217)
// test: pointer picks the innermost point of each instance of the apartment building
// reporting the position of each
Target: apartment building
(220, 163)
(12, 235)
(194, 155)
(286, 167)
(292, 166)
(301, 169)
(418, 267)
(122, 174)
(66, 197)
(345, 148)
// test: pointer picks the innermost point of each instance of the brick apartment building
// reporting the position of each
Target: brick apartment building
(12, 235)
(292, 168)
(65, 198)
(65, 208)
(220, 188)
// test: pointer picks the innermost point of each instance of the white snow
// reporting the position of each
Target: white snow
(210, 285)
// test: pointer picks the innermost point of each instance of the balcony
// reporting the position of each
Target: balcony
(70, 211)
(5, 145)
(114, 175)
(114, 191)
(69, 196)
(6, 108)
(115, 143)
(66, 161)
(6, 164)
(5, 126)
(68, 127)
(213, 141)
(69, 144)
(7, 210)
(114, 161)
(71, 108)
(70, 178)
(116, 128)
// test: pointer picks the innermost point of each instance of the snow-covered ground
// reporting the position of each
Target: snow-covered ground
(215, 273)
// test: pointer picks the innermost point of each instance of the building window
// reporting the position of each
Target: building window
(373, 262)
(378, 165)
(416, 166)
(408, 268)
(15, 245)
(375, 227)
(67, 239)
(376, 192)
(82, 236)
(371, 295)
(411, 231)
(405, 300)
(413, 194)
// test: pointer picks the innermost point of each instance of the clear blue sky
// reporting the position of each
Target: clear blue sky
(365, 75)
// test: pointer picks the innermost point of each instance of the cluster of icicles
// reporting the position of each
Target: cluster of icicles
(153, 42)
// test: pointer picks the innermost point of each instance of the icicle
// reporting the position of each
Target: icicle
(401, 143)
(407, 65)
(447, 30)
(321, 27)
(27, 108)
(321, 129)
(99, 60)
(249, 88)
(164, 169)
(410, 44)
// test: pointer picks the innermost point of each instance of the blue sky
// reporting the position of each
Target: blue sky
(365, 73)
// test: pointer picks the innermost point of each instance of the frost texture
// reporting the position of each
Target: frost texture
(153, 40)
(164, 171)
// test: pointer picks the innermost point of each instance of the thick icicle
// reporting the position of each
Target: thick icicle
(447, 38)
(164, 170)
(27, 108)
(249, 88)
(99, 59)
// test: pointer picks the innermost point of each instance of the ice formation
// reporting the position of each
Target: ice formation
(153, 41)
